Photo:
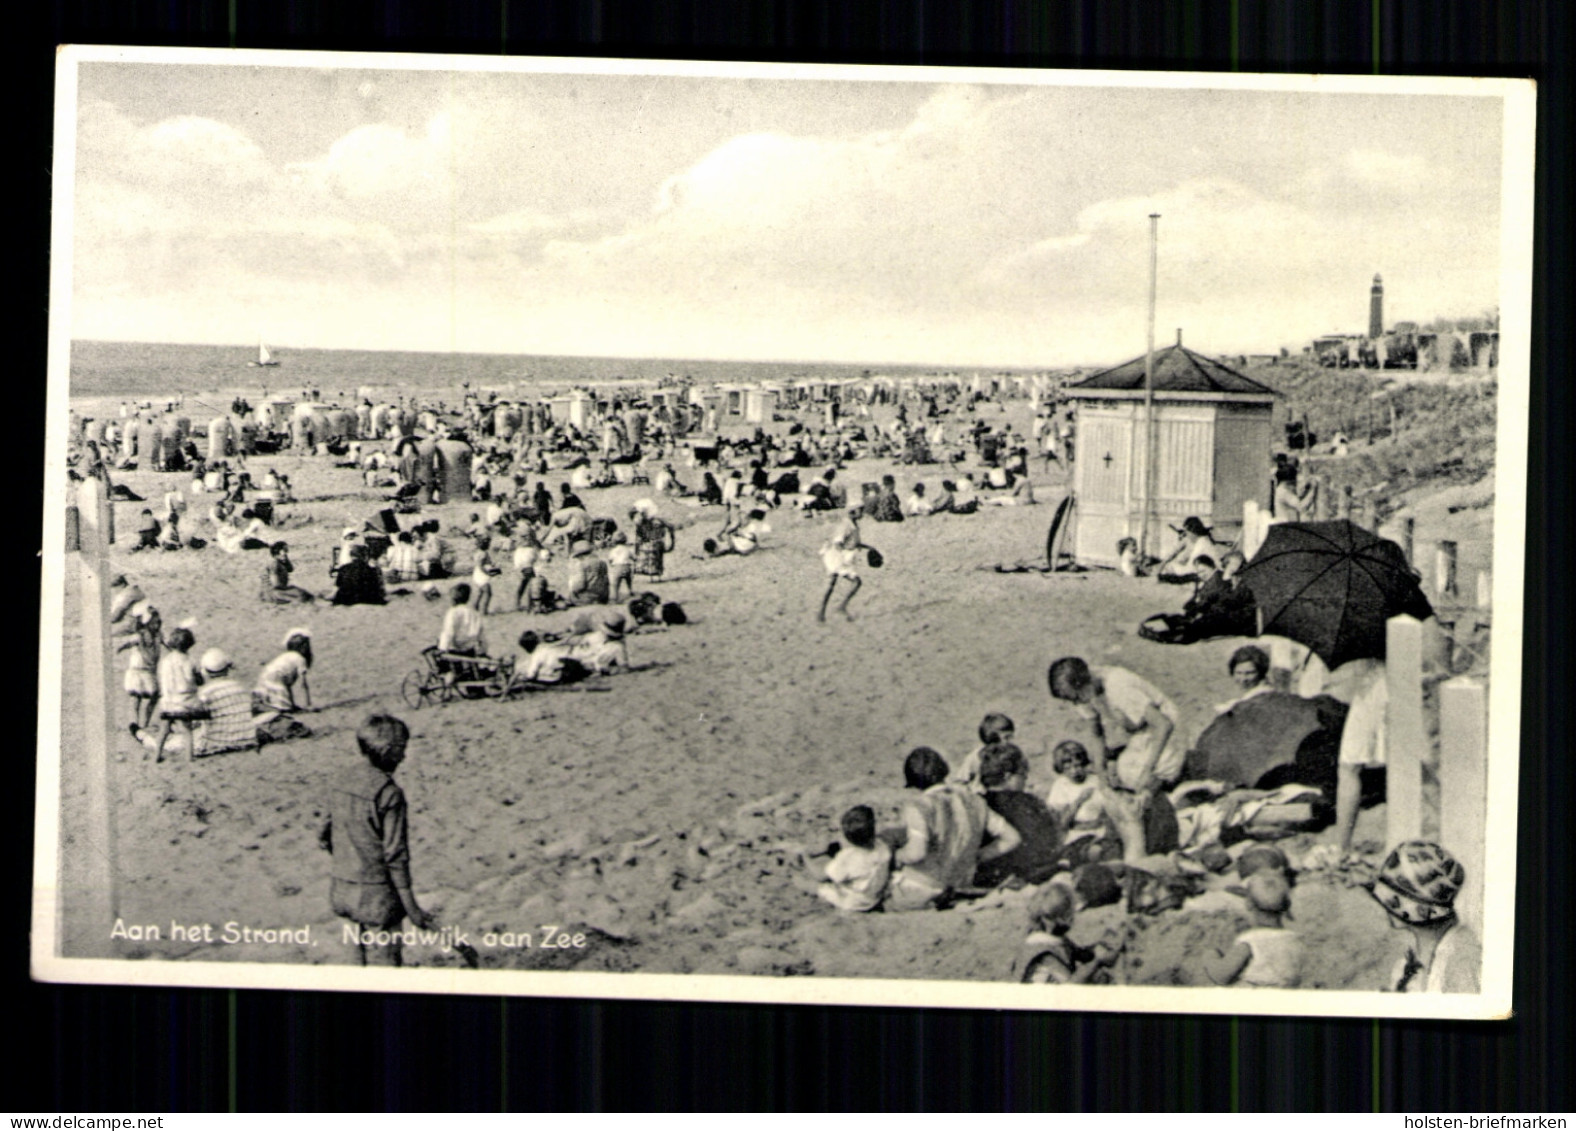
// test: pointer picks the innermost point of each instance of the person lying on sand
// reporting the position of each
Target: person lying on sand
(545, 663)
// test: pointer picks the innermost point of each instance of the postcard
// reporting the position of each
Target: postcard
(810, 534)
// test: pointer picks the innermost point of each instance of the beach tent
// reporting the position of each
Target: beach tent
(169, 450)
(150, 444)
(342, 423)
(218, 438)
(1212, 438)
(302, 435)
(247, 437)
(454, 470)
(426, 467)
(364, 420)
(181, 426)
(93, 430)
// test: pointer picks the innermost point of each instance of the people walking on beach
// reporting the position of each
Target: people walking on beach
(368, 835)
(840, 556)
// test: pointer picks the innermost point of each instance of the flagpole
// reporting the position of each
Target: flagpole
(1149, 393)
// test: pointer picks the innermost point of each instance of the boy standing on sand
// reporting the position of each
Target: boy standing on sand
(370, 883)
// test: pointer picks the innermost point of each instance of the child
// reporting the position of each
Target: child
(994, 727)
(1048, 955)
(1127, 558)
(1268, 953)
(484, 570)
(145, 645)
(621, 565)
(527, 553)
(178, 684)
(147, 532)
(856, 879)
(1075, 799)
(545, 662)
(371, 871)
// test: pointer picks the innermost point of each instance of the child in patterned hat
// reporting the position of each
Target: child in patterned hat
(1417, 886)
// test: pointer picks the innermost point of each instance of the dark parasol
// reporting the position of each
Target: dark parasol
(1332, 586)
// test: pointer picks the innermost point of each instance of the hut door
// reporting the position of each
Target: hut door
(1102, 469)
(1102, 450)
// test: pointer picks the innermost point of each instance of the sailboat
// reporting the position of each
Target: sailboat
(264, 358)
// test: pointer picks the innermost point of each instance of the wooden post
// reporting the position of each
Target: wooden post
(1445, 570)
(99, 903)
(1406, 739)
(1252, 538)
(1346, 503)
(1463, 787)
(1408, 537)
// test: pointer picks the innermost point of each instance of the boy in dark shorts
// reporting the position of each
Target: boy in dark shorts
(371, 871)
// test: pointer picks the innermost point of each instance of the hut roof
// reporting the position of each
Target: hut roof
(1177, 370)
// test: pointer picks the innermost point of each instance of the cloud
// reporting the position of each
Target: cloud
(384, 161)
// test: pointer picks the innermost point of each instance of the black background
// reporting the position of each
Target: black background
(119, 1050)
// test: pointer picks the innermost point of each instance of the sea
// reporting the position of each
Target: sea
(138, 370)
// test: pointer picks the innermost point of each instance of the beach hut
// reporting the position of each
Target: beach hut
(181, 427)
(364, 420)
(302, 435)
(150, 445)
(169, 451)
(247, 437)
(93, 430)
(760, 404)
(218, 438)
(454, 470)
(1212, 439)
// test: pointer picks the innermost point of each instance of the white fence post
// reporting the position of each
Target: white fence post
(1406, 738)
(1251, 536)
(1463, 787)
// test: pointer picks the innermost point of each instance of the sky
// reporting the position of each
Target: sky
(766, 218)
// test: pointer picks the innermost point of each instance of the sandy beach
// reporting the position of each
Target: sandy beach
(662, 812)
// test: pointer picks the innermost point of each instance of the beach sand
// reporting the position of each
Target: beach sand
(660, 816)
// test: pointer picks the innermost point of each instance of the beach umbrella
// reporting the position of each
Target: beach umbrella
(1332, 586)
(1269, 739)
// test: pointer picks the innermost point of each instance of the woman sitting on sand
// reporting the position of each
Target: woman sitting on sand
(282, 685)
(277, 589)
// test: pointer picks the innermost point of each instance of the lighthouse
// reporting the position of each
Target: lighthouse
(1376, 309)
